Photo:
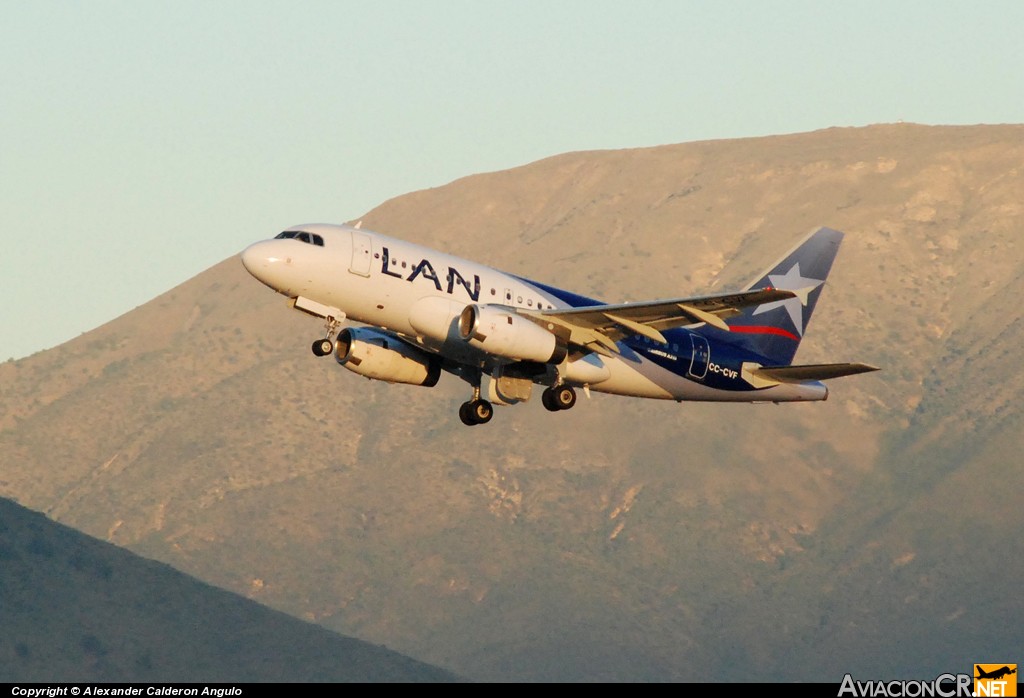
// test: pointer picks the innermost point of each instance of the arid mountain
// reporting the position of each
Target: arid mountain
(876, 533)
(76, 609)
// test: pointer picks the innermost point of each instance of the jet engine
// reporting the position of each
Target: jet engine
(383, 356)
(501, 331)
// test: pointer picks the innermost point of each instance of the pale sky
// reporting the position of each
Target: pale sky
(143, 142)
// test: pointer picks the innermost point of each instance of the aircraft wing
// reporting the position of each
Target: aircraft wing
(598, 327)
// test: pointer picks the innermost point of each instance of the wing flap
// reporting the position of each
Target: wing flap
(637, 328)
(605, 324)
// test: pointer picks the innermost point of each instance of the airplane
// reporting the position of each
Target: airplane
(996, 674)
(423, 312)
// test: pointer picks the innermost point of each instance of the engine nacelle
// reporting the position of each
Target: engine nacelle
(501, 331)
(382, 356)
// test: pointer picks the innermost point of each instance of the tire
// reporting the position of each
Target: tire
(547, 398)
(323, 347)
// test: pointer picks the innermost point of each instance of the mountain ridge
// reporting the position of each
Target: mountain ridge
(77, 609)
(623, 540)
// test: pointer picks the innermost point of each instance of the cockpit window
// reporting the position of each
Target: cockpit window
(301, 236)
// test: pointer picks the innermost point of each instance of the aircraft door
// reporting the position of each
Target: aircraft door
(362, 254)
(701, 356)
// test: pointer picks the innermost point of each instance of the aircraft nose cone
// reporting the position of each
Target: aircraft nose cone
(253, 259)
(266, 263)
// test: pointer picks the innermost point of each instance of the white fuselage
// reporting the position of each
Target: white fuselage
(400, 287)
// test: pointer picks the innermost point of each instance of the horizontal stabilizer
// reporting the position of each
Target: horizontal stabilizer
(809, 372)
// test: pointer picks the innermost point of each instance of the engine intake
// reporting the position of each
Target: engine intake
(383, 356)
(501, 331)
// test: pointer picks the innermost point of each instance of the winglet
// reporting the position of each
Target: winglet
(803, 293)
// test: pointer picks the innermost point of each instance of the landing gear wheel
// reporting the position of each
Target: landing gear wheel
(323, 347)
(476, 412)
(547, 399)
(557, 398)
(481, 410)
(565, 397)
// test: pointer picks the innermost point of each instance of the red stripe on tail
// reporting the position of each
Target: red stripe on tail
(764, 329)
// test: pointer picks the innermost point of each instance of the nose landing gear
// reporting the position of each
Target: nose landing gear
(323, 347)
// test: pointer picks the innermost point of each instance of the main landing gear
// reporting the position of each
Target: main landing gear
(479, 411)
(558, 397)
(476, 410)
(323, 347)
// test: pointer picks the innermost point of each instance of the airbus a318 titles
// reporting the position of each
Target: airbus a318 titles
(422, 312)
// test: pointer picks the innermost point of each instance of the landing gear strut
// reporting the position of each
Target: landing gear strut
(323, 347)
(558, 397)
(476, 410)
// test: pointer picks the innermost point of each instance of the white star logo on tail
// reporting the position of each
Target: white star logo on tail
(801, 286)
